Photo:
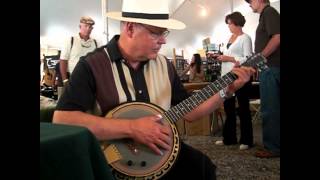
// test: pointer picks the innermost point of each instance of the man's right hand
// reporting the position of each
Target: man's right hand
(150, 131)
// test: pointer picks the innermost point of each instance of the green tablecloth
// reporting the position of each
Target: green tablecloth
(70, 153)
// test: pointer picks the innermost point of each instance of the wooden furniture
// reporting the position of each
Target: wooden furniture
(176, 57)
(195, 86)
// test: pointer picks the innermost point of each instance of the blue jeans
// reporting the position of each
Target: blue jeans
(270, 108)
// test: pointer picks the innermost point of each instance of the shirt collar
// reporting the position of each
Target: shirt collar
(264, 10)
(83, 39)
(114, 51)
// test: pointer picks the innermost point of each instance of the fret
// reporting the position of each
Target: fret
(190, 101)
(209, 90)
(186, 106)
(193, 100)
(169, 116)
(173, 115)
(216, 89)
(202, 95)
(198, 99)
(193, 105)
(181, 108)
(176, 117)
(227, 79)
(223, 83)
(212, 89)
(177, 112)
(232, 76)
(217, 86)
(174, 109)
(206, 94)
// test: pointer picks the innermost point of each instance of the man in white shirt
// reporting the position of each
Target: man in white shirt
(77, 46)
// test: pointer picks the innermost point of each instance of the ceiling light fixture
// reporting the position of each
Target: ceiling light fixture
(203, 11)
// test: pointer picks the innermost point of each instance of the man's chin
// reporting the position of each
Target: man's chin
(153, 55)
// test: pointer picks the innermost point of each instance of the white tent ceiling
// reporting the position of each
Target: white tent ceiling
(59, 20)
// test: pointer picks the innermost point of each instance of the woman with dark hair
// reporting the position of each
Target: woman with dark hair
(238, 49)
(196, 70)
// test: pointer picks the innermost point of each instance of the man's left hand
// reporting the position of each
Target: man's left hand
(244, 74)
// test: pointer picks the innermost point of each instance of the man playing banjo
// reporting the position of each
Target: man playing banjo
(129, 69)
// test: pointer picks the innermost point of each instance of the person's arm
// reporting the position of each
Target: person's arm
(272, 26)
(246, 47)
(54, 83)
(185, 71)
(214, 102)
(64, 57)
(79, 97)
(63, 69)
(146, 130)
(272, 45)
(225, 58)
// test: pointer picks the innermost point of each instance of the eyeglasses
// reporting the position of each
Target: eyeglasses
(156, 35)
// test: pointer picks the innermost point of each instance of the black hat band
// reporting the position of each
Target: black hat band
(145, 16)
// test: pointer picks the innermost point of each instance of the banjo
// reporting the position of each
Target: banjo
(130, 160)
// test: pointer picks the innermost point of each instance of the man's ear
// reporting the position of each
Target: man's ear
(129, 29)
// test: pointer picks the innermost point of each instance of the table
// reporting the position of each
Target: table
(190, 87)
(71, 153)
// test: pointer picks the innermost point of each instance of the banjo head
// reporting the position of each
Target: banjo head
(138, 160)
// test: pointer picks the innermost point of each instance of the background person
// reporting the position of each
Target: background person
(239, 47)
(196, 69)
(267, 43)
(77, 46)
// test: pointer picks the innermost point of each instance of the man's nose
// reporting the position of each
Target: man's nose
(162, 40)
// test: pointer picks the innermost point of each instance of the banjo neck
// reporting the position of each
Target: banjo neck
(178, 111)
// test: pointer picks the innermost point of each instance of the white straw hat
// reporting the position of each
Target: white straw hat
(151, 12)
